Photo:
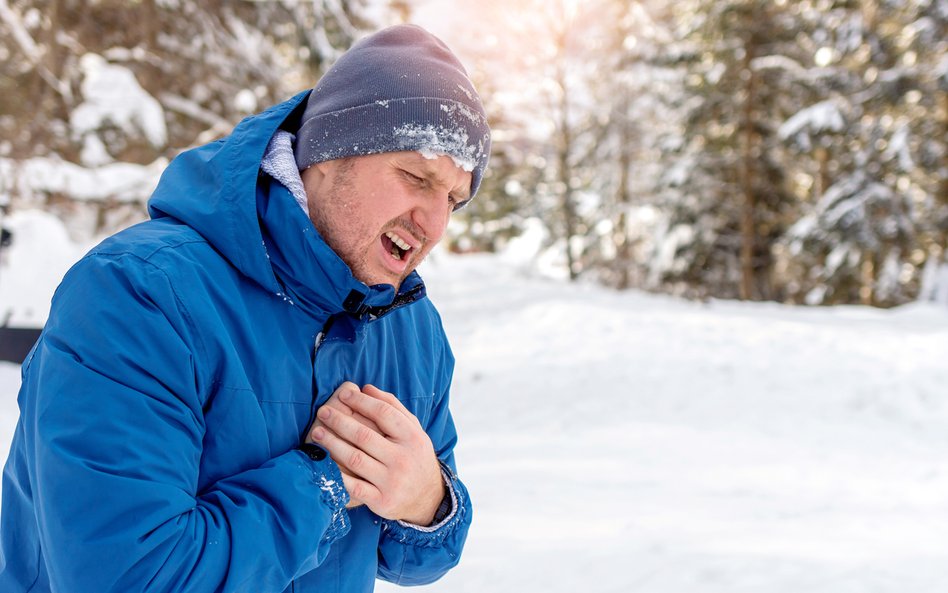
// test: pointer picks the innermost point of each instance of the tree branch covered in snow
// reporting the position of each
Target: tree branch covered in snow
(149, 80)
(32, 179)
(687, 147)
(32, 51)
(218, 125)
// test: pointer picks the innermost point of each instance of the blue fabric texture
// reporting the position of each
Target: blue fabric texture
(399, 89)
(183, 361)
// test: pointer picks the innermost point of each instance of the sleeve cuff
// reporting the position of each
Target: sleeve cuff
(332, 493)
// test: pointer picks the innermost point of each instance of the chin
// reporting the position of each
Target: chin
(373, 280)
(374, 277)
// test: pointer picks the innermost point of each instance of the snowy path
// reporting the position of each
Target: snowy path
(627, 442)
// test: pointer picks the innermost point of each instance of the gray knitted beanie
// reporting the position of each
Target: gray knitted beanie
(399, 89)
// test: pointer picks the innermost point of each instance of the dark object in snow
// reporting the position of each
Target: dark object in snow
(6, 237)
(16, 342)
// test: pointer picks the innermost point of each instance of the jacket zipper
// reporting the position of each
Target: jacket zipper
(317, 342)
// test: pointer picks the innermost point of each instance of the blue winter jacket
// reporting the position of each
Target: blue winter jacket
(183, 361)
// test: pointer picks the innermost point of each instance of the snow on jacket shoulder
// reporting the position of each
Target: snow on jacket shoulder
(183, 360)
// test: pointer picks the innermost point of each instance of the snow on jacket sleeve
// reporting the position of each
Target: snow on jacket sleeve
(412, 556)
(114, 394)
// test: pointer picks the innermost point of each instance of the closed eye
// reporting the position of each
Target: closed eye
(457, 203)
(414, 178)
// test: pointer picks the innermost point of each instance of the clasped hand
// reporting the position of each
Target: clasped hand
(387, 460)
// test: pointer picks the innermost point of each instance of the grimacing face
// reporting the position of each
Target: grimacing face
(383, 213)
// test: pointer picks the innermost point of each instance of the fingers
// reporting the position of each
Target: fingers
(370, 390)
(385, 396)
(360, 491)
(344, 409)
(387, 460)
(335, 403)
(351, 461)
(392, 419)
(351, 443)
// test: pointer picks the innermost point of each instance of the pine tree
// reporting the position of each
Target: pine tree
(869, 153)
(727, 195)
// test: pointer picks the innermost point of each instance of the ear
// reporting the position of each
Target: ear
(313, 177)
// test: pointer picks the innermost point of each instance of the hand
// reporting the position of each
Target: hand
(387, 460)
(336, 404)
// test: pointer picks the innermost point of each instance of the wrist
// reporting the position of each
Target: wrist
(426, 512)
(452, 501)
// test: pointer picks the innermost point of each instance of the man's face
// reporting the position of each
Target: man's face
(383, 213)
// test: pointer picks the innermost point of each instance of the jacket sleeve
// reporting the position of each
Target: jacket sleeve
(114, 396)
(412, 555)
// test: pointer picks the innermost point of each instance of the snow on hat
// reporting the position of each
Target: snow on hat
(399, 89)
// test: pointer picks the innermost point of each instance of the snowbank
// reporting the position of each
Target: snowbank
(618, 442)
(32, 266)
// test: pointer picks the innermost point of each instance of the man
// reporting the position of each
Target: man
(249, 392)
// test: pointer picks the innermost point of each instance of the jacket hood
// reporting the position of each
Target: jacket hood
(253, 222)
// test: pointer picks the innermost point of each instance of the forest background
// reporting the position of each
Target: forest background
(781, 150)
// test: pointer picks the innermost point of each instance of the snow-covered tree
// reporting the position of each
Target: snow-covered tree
(564, 119)
(870, 143)
(569, 90)
(95, 97)
(796, 111)
(636, 103)
(917, 148)
(857, 222)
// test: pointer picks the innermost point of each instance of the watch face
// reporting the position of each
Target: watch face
(314, 452)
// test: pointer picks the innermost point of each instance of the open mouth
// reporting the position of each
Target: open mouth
(396, 246)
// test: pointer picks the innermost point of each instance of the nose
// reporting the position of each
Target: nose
(431, 214)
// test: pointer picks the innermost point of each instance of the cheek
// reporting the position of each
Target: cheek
(340, 222)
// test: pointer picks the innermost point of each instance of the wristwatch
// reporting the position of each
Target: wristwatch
(445, 508)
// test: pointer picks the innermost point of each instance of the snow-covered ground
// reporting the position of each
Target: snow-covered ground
(620, 442)
(629, 442)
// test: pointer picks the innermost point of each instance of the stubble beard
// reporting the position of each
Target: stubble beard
(331, 216)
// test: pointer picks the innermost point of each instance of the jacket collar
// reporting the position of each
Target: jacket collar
(212, 189)
(309, 272)
(253, 221)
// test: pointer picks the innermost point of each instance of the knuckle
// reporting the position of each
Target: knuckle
(384, 411)
(363, 435)
(386, 503)
(356, 460)
(401, 465)
(418, 442)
